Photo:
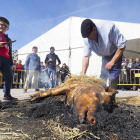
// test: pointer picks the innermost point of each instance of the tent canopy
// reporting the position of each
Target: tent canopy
(68, 42)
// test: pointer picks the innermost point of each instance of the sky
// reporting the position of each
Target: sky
(31, 18)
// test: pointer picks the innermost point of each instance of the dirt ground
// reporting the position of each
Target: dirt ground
(52, 119)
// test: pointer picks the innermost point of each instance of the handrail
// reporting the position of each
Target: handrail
(15, 81)
(129, 78)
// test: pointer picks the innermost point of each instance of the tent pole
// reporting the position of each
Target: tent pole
(69, 57)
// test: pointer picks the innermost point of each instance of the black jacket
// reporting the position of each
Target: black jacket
(10, 49)
(137, 66)
(54, 57)
(133, 66)
(65, 70)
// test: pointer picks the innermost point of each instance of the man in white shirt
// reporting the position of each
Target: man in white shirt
(105, 40)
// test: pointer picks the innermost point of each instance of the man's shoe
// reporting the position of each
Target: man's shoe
(25, 90)
(37, 89)
(9, 98)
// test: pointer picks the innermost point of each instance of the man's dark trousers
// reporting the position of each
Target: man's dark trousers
(112, 74)
(6, 71)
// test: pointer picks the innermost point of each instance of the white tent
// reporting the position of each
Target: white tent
(68, 42)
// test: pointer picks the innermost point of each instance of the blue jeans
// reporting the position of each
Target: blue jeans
(63, 77)
(53, 72)
(7, 73)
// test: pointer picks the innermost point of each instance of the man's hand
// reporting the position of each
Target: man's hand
(2, 44)
(26, 71)
(117, 55)
(109, 65)
(50, 60)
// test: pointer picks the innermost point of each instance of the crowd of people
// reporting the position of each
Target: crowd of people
(127, 75)
(45, 76)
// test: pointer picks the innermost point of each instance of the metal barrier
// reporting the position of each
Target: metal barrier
(16, 74)
(130, 77)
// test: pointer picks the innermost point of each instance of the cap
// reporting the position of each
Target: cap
(86, 27)
(52, 48)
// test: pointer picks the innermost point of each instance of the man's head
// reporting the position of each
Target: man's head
(137, 60)
(19, 62)
(64, 65)
(89, 30)
(130, 59)
(35, 49)
(41, 63)
(52, 49)
(4, 25)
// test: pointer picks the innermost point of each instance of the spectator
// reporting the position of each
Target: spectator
(130, 66)
(51, 64)
(20, 74)
(124, 61)
(32, 64)
(137, 66)
(14, 64)
(64, 72)
(137, 63)
(6, 61)
(123, 76)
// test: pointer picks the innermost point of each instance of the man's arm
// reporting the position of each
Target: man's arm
(2, 44)
(119, 41)
(85, 64)
(59, 62)
(117, 55)
(46, 59)
(39, 66)
(27, 63)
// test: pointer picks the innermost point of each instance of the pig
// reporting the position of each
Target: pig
(86, 98)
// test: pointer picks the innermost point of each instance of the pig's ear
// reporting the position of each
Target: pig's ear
(113, 92)
(109, 89)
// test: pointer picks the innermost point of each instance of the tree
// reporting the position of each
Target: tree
(15, 54)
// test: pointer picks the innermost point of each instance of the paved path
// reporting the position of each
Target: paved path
(18, 93)
(128, 93)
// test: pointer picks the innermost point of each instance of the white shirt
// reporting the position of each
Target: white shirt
(110, 39)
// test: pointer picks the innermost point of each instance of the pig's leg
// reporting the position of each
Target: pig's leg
(53, 92)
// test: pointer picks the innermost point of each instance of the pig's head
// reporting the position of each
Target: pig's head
(107, 99)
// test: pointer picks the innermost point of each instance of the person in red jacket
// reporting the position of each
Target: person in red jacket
(20, 73)
(6, 61)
